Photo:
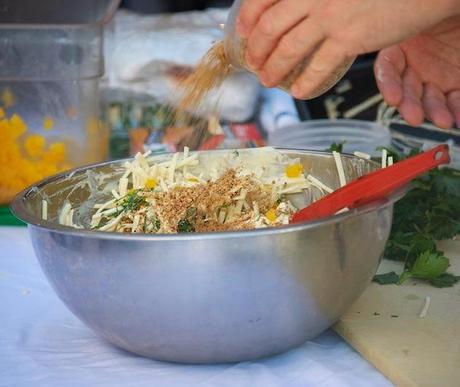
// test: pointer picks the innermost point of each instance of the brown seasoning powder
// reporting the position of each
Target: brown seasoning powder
(209, 74)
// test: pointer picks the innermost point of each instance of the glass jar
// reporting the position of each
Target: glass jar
(50, 65)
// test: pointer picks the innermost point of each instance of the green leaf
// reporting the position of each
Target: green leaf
(133, 201)
(397, 156)
(336, 147)
(185, 225)
(429, 265)
(405, 275)
(387, 278)
(445, 280)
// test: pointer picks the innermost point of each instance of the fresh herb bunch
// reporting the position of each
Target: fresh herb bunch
(428, 213)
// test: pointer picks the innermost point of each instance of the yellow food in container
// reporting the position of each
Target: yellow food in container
(25, 157)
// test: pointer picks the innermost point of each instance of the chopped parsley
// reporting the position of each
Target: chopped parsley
(336, 147)
(430, 212)
(132, 201)
(184, 225)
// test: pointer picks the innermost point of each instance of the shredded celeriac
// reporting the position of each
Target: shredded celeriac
(203, 192)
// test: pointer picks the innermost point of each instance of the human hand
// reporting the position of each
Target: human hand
(421, 76)
(282, 33)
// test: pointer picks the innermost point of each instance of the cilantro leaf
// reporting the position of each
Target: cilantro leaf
(429, 265)
(445, 280)
(387, 278)
(336, 147)
(428, 213)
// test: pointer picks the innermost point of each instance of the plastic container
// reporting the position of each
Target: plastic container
(50, 65)
(235, 50)
(363, 136)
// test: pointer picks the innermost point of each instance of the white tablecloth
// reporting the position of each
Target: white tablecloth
(43, 344)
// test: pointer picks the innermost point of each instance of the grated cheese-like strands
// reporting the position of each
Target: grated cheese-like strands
(172, 168)
(44, 210)
(256, 210)
(69, 220)
(111, 211)
(136, 221)
(384, 158)
(110, 226)
(238, 207)
(222, 215)
(339, 166)
(319, 184)
(115, 194)
(64, 213)
(425, 308)
(123, 186)
(102, 207)
(242, 195)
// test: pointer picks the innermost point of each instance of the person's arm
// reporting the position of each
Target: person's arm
(281, 34)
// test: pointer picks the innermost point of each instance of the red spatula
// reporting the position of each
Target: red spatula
(374, 186)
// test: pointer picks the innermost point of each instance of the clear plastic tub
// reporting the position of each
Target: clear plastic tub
(363, 136)
(50, 65)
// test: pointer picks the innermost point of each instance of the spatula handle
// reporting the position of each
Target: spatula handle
(375, 185)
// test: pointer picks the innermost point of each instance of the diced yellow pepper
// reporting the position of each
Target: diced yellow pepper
(7, 97)
(24, 159)
(17, 126)
(150, 183)
(34, 145)
(56, 153)
(271, 215)
(294, 170)
(48, 123)
(193, 180)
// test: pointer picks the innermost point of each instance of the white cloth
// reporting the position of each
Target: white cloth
(43, 344)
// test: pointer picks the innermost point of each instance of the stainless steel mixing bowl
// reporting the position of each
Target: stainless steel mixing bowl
(215, 297)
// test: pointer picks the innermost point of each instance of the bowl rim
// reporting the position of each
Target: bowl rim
(19, 210)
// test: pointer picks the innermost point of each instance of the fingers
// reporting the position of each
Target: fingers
(323, 68)
(411, 104)
(291, 50)
(453, 101)
(434, 104)
(388, 69)
(250, 12)
(271, 26)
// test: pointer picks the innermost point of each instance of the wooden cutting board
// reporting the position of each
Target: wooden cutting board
(384, 325)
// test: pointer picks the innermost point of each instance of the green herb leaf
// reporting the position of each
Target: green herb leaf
(387, 278)
(132, 201)
(429, 265)
(185, 225)
(445, 280)
(336, 147)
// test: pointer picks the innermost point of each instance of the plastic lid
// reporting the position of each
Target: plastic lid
(363, 136)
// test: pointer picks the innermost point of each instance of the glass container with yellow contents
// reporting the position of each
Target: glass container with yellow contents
(50, 65)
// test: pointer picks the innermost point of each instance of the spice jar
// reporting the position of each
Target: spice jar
(235, 52)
